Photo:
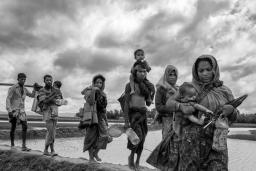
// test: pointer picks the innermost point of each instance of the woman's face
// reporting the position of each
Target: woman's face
(171, 77)
(98, 83)
(204, 71)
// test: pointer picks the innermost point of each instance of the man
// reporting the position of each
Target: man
(135, 109)
(15, 105)
(46, 101)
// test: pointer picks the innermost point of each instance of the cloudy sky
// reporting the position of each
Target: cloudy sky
(74, 40)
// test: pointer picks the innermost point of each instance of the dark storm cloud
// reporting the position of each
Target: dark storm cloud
(23, 39)
(204, 10)
(154, 38)
(238, 71)
(20, 20)
(86, 60)
(108, 40)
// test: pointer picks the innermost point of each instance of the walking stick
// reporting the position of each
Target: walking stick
(9, 84)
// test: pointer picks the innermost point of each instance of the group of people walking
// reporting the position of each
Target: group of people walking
(182, 110)
(47, 98)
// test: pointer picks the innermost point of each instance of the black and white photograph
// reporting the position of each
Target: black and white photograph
(127, 85)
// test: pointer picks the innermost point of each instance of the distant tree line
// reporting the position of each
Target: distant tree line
(246, 118)
(117, 114)
(241, 118)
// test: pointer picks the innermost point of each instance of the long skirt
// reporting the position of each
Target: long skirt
(166, 125)
(190, 148)
(166, 155)
(138, 122)
(96, 136)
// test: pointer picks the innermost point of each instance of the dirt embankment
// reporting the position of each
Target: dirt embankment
(16, 160)
(38, 134)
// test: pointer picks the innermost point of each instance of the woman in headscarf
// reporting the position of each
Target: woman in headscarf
(165, 155)
(135, 112)
(196, 152)
(96, 137)
(166, 88)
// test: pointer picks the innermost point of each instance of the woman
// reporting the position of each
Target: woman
(165, 155)
(135, 112)
(196, 151)
(96, 137)
(166, 88)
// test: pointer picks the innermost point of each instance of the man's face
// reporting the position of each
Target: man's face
(21, 81)
(48, 81)
(141, 74)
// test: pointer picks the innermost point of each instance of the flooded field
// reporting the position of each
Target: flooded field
(242, 153)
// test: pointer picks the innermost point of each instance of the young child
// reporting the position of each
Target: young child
(187, 95)
(140, 59)
(57, 97)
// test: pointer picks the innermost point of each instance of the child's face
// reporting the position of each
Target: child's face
(139, 56)
(190, 94)
(54, 86)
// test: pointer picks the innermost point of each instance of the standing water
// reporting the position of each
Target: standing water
(242, 153)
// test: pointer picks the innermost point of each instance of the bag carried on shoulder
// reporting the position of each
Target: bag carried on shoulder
(88, 115)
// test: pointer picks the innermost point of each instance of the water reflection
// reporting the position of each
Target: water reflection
(242, 153)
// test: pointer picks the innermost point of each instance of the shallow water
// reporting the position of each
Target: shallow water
(242, 153)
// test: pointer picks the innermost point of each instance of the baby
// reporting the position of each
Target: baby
(187, 95)
(57, 95)
(140, 59)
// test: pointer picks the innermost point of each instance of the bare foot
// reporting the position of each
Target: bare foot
(97, 158)
(92, 160)
(46, 153)
(137, 167)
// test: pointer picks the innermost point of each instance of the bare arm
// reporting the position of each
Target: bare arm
(126, 104)
(29, 94)
(194, 119)
(202, 109)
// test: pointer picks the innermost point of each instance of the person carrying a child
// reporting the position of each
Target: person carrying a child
(47, 102)
(140, 59)
(187, 95)
(166, 155)
(57, 95)
(196, 152)
(96, 137)
(135, 111)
